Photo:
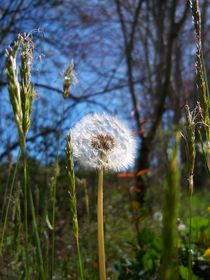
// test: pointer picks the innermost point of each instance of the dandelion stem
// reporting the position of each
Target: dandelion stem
(101, 251)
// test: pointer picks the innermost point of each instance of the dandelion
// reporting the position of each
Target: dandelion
(102, 142)
(158, 216)
(180, 225)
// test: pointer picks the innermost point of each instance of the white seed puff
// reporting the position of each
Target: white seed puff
(101, 140)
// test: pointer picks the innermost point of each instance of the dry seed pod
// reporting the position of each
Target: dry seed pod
(69, 79)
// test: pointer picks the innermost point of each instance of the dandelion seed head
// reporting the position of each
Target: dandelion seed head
(181, 227)
(158, 216)
(101, 140)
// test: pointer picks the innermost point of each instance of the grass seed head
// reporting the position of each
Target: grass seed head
(21, 91)
(190, 141)
(69, 80)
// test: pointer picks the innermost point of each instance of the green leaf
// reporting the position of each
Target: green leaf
(183, 272)
(48, 222)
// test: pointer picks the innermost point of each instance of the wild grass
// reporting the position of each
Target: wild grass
(203, 89)
(21, 97)
(73, 202)
(44, 248)
(191, 153)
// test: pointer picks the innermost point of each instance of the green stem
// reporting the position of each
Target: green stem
(28, 192)
(190, 237)
(25, 195)
(46, 257)
(101, 251)
(8, 204)
(37, 239)
(53, 226)
(204, 154)
(54, 195)
(79, 261)
(73, 202)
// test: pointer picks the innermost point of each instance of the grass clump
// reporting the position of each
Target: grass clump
(21, 95)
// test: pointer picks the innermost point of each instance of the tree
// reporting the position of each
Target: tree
(134, 58)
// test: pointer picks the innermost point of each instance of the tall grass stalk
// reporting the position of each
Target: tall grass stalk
(169, 232)
(53, 185)
(205, 154)
(190, 240)
(204, 99)
(191, 153)
(25, 196)
(15, 99)
(37, 239)
(46, 254)
(73, 202)
(28, 192)
(21, 97)
(16, 218)
(202, 82)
